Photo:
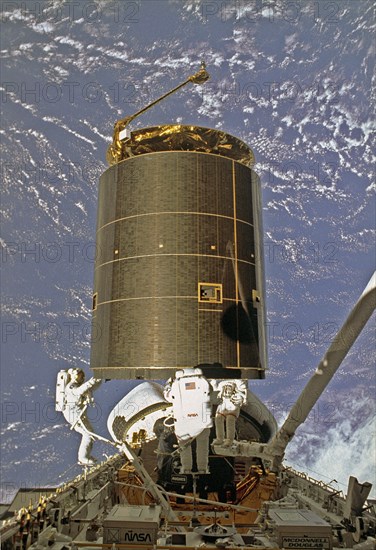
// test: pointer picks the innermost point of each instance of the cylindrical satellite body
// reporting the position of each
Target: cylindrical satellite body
(179, 268)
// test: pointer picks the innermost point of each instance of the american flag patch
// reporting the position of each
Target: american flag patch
(190, 385)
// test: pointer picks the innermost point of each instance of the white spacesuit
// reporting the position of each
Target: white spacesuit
(73, 395)
(232, 395)
(190, 395)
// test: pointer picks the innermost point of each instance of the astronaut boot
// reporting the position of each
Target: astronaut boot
(87, 461)
(219, 430)
(230, 430)
(84, 452)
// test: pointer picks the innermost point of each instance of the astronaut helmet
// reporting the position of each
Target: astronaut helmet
(76, 375)
(228, 389)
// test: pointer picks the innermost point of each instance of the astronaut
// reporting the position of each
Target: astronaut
(232, 395)
(190, 395)
(73, 395)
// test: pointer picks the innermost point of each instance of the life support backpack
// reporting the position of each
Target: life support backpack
(190, 395)
(63, 377)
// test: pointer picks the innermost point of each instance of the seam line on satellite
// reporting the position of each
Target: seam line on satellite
(162, 255)
(173, 212)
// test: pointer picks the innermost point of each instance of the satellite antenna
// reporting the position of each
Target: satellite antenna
(120, 128)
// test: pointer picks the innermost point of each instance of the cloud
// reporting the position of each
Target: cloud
(338, 453)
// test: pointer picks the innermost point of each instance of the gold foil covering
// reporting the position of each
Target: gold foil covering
(178, 137)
